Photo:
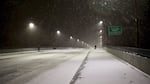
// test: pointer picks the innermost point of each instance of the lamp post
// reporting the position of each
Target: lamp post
(32, 27)
(56, 39)
(71, 41)
(137, 23)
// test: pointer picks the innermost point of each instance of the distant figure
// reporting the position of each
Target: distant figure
(38, 48)
(95, 47)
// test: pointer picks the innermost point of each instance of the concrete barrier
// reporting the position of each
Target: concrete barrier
(142, 63)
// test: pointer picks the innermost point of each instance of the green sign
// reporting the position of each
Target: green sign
(114, 30)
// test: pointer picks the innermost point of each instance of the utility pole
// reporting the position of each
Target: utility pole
(137, 24)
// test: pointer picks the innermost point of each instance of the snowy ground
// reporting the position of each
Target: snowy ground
(103, 68)
(68, 66)
(18, 68)
(61, 74)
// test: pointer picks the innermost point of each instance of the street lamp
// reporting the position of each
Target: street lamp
(58, 32)
(137, 24)
(71, 37)
(100, 31)
(31, 26)
(78, 40)
(100, 23)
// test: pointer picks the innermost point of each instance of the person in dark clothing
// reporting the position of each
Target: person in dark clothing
(95, 47)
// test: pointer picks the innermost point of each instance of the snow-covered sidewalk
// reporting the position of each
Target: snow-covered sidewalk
(103, 68)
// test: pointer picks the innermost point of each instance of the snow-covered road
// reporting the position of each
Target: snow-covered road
(68, 66)
(18, 68)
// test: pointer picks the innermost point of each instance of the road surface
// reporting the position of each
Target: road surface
(68, 66)
(17, 68)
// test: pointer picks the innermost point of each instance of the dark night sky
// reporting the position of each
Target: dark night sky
(72, 17)
(78, 18)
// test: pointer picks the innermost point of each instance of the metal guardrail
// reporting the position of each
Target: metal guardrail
(138, 51)
(141, 62)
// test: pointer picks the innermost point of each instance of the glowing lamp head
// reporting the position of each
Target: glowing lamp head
(100, 23)
(58, 32)
(71, 37)
(100, 31)
(31, 25)
(78, 40)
